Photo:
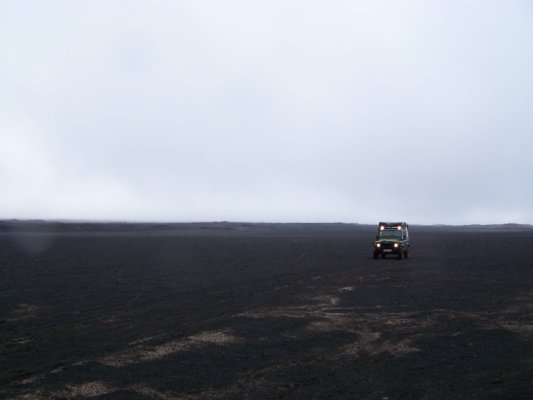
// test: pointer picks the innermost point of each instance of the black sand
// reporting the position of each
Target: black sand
(268, 311)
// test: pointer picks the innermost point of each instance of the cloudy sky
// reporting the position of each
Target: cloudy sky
(278, 110)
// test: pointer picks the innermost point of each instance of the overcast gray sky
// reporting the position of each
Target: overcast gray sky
(310, 111)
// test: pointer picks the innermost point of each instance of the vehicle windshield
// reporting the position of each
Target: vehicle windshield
(390, 234)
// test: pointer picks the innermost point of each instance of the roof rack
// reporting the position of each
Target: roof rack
(392, 225)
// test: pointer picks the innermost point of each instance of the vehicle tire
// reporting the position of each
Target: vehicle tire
(376, 254)
(383, 255)
(400, 255)
(406, 254)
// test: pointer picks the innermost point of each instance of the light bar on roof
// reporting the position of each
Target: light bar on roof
(392, 225)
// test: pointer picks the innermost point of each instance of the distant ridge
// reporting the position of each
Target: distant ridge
(201, 228)
(478, 227)
(58, 226)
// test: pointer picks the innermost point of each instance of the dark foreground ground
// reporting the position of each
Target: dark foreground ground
(233, 311)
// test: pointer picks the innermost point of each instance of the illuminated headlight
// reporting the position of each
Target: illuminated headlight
(399, 228)
(378, 244)
(381, 228)
(396, 244)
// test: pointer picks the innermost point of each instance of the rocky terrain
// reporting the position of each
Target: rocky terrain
(263, 311)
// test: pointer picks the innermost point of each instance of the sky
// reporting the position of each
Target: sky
(267, 111)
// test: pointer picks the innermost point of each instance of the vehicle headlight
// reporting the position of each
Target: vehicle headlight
(378, 244)
(396, 244)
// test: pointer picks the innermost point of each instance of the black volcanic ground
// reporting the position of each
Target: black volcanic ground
(263, 311)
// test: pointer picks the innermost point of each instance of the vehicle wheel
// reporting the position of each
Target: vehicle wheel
(383, 255)
(406, 253)
(400, 255)
(376, 254)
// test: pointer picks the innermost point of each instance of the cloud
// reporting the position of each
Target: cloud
(279, 111)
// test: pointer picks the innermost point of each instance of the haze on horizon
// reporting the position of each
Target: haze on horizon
(298, 111)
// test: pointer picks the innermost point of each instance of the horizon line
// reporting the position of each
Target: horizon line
(117, 221)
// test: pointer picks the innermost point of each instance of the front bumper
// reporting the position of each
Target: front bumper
(387, 248)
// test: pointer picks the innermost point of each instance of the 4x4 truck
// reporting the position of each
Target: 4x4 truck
(392, 238)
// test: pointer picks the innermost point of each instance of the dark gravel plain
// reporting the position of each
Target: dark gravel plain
(263, 311)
